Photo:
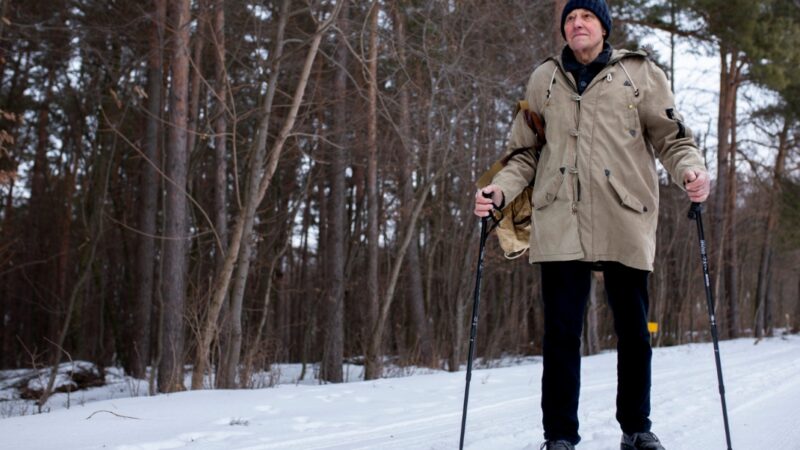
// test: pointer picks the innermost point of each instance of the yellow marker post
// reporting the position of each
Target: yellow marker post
(652, 327)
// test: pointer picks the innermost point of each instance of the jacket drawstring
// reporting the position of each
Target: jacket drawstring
(635, 89)
(552, 81)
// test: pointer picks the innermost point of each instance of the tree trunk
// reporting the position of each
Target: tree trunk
(170, 371)
(148, 207)
(420, 322)
(3, 54)
(557, 38)
(796, 327)
(770, 224)
(731, 264)
(258, 186)
(722, 225)
(372, 363)
(220, 133)
(308, 307)
(195, 69)
(333, 331)
(95, 232)
(67, 190)
(673, 10)
(220, 120)
(40, 216)
(232, 341)
(720, 189)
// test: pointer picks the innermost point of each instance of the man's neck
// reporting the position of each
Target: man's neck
(588, 55)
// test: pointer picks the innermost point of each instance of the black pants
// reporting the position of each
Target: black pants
(565, 289)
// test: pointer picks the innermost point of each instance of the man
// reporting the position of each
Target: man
(608, 114)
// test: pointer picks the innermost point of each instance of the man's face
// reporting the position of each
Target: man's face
(583, 30)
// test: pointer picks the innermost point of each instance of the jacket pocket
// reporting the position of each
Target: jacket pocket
(549, 192)
(555, 222)
(625, 197)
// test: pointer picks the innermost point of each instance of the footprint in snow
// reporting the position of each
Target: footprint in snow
(267, 409)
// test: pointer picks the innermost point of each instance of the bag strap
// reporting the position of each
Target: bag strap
(534, 121)
(536, 124)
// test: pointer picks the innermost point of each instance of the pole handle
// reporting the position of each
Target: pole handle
(695, 211)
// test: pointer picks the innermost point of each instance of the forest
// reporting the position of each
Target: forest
(204, 188)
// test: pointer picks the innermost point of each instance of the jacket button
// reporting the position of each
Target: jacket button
(644, 209)
(573, 132)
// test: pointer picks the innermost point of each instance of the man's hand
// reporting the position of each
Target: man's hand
(697, 184)
(482, 204)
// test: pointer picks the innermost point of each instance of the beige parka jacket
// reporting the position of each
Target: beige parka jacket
(595, 195)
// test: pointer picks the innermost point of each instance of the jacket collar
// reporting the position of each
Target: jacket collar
(616, 56)
(571, 64)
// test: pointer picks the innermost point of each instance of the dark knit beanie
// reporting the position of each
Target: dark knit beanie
(598, 7)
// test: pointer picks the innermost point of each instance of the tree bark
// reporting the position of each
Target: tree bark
(416, 298)
(763, 325)
(170, 371)
(720, 188)
(95, 231)
(557, 37)
(40, 215)
(721, 225)
(333, 354)
(195, 69)
(731, 263)
(376, 335)
(220, 133)
(234, 343)
(220, 166)
(372, 363)
(148, 207)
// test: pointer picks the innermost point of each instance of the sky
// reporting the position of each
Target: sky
(423, 410)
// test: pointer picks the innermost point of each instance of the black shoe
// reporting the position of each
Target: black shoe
(557, 445)
(640, 441)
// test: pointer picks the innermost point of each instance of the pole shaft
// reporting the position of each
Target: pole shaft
(696, 213)
(474, 327)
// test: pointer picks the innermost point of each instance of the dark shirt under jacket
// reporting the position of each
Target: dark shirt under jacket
(584, 74)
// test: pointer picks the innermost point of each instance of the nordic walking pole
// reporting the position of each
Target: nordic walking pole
(474, 330)
(695, 213)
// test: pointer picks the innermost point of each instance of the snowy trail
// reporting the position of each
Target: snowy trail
(424, 411)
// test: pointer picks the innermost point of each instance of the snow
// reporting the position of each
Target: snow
(423, 411)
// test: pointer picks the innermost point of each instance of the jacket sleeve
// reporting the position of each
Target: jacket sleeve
(520, 161)
(664, 129)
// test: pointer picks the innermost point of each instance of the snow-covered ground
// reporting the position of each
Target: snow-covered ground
(424, 411)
